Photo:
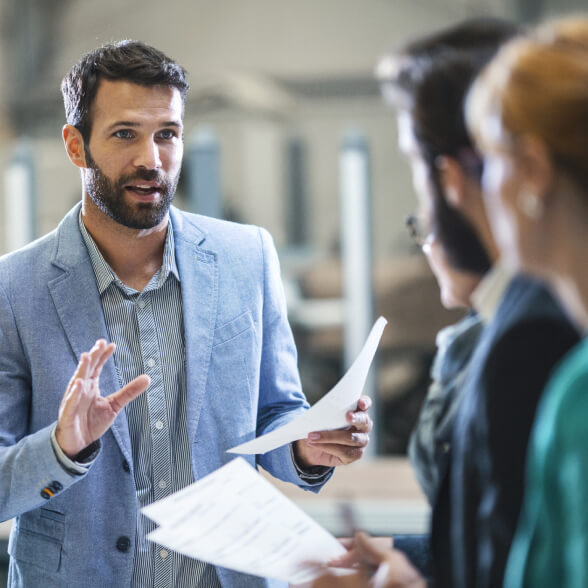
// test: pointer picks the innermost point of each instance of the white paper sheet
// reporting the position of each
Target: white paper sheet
(235, 518)
(329, 412)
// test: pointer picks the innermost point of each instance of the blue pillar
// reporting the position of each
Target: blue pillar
(202, 169)
(356, 254)
(19, 197)
(297, 219)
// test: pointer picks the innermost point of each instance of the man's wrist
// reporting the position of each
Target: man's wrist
(88, 454)
(80, 463)
(306, 472)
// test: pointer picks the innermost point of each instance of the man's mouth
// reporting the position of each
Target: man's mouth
(144, 189)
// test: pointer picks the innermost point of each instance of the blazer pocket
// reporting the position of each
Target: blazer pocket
(36, 549)
(232, 378)
(233, 329)
(38, 538)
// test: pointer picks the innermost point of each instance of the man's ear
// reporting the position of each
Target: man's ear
(452, 180)
(74, 145)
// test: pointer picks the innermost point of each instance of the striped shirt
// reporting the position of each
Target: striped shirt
(148, 330)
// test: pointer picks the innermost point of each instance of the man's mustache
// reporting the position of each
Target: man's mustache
(149, 175)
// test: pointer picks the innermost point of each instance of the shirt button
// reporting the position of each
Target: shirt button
(162, 484)
(159, 425)
(151, 362)
(163, 553)
(141, 304)
(123, 543)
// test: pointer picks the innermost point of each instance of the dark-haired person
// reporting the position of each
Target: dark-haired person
(194, 303)
(477, 501)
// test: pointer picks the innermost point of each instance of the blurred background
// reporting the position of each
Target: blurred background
(284, 128)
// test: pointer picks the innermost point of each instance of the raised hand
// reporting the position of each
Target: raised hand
(85, 415)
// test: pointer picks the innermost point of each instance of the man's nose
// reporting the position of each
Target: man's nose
(147, 155)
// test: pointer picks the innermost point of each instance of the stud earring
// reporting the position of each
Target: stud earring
(530, 204)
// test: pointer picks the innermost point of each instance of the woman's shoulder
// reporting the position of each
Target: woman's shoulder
(563, 408)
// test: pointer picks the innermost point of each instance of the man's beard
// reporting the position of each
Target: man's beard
(109, 196)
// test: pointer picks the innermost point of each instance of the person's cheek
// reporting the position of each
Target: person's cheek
(437, 263)
(492, 177)
(493, 186)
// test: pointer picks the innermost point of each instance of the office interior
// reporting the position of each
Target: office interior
(284, 128)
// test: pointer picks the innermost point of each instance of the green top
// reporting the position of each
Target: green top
(551, 543)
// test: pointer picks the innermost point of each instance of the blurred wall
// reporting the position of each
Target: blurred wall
(262, 71)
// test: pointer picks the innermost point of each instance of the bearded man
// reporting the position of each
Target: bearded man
(194, 312)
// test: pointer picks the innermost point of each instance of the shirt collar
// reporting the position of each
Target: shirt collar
(488, 293)
(105, 275)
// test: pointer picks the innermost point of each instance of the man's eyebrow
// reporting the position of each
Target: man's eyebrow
(131, 124)
(123, 123)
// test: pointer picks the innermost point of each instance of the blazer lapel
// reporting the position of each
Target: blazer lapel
(78, 306)
(199, 278)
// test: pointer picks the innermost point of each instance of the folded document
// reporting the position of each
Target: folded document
(236, 519)
(329, 412)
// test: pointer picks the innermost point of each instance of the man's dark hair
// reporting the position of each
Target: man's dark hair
(429, 79)
(131, 61)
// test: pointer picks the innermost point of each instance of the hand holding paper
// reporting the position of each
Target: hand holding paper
(330, 411)
(337, 447)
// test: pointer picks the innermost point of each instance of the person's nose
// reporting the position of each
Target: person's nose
(147, 155)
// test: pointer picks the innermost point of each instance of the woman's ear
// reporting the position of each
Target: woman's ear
(452, 181)
(536, 166)
(74, 145)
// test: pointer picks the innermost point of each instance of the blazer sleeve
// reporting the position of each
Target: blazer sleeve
(30, 473)
(280, 396)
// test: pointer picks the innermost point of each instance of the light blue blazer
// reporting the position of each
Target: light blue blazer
(242, 382)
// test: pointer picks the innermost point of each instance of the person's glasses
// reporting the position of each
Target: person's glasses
(416, 230)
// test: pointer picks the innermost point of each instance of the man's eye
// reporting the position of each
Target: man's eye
(166, 134)
(123, 134)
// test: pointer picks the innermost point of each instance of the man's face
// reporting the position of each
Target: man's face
(455, 286)
(421, 181)
(134, 154)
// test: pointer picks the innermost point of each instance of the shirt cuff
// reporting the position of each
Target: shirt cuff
(81, 462)
(312, 473)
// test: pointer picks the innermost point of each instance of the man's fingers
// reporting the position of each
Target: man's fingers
(347, 437)
(380, 578)
(347, 542)
(120, 399)
(71, 383)
(335, 581)
(348, 560)
(101, 353)
(88, 393)
(81, 369)
(70, 405)
(87, 361)
(368, 549)
(394, 568)
(361, 421)
(364, 403)
(342, 454)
